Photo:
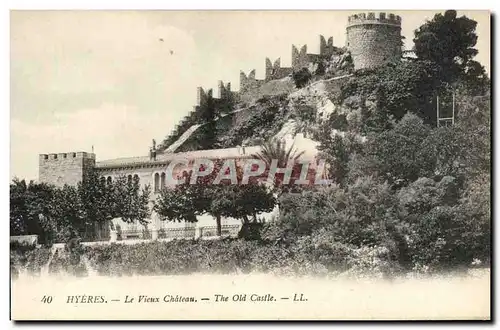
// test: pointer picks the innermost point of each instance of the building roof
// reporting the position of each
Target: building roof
(168, 157)
(300, 142)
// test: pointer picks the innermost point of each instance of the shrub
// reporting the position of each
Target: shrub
(443, 230)
(30, 260)
(251, 231)
(302, 77)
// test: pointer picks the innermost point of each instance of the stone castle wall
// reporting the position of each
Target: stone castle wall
(64, 168)
(374, 40)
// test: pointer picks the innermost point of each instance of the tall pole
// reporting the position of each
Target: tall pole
(437, 106)
(453, 109)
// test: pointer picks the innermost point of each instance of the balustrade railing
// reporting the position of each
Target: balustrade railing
(171, 233)
(226, 230)
(178, 233)
(148, 234)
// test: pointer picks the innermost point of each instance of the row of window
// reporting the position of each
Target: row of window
(109, 179)
(159, 180)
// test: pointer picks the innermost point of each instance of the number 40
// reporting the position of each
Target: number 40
(47, 299)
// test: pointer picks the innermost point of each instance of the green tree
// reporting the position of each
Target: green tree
(180, 203)
(397, 154)
(129, 201)
(473, 122)
(449, 41)
(275, 152)
(66, 214)
(276, 149)
(19, 220)
(241, 201)
(96, 202)
(30, 208)
(394, 90)
(444, 229)
(474, 212)
(186, 201)
(337, 150)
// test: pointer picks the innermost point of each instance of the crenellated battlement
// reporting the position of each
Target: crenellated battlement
(202, 95)
(299, 57)
(224, 93)
(374, 18)
(223, 103)
(374, 39)
(64, 168)
(249, 82)
(275, 71)
(66, 156)
(224, 90)
(326, 48)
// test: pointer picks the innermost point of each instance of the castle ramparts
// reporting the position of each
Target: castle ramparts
(248, 82)
(374, 18)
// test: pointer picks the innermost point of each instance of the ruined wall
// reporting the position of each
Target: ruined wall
(248, 82)
(64, 168)
(326, 48)
(275, 71)
(374, 40)
(270, 88)
(299, 58)
(274, 83)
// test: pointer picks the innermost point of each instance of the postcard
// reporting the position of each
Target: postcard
(250, 165)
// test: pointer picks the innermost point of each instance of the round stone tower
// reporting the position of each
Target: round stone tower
(374, 40)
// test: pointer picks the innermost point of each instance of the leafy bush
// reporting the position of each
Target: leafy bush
(251, 231)
(443, 229)
(302, 77)
(30, 260)
(306, 256)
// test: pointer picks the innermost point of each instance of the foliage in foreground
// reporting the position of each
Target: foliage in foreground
(227, 256)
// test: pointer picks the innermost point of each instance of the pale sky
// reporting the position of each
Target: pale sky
(103, 78)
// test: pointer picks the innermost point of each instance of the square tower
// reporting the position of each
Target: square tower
(64, 168)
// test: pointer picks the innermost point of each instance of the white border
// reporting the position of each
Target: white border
(191, 5)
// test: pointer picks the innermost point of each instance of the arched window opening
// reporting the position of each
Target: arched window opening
(157, 182)
(136, 178)
(162, 180)
(129, 179)
(110, 180)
